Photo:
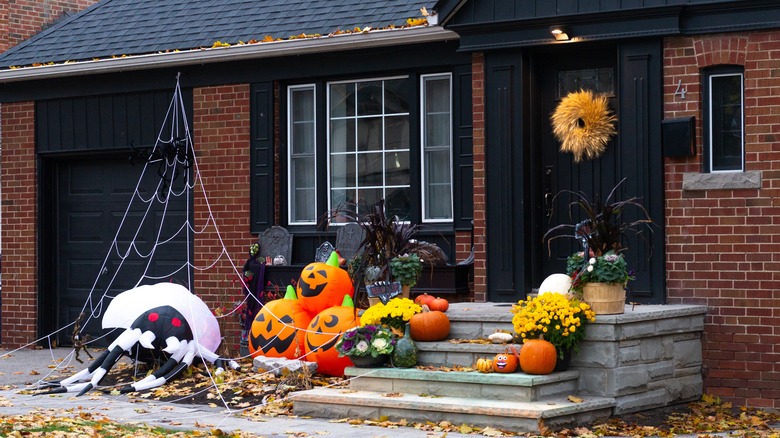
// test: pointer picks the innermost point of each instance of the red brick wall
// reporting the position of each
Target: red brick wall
(723, 246)
(480, 245)
(222, 133)
(19, 232)
(21, 19)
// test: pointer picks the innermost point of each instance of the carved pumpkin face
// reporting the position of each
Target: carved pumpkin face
(277, 330)
(504, 363)
(324, 331)
(323, 285)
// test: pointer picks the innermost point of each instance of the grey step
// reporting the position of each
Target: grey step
(470, 321)
(494, 386)
(450, 354)
(553, 413)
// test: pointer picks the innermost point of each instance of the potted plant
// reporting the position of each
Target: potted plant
(395, 314)
(557, 318)
(386, 237)
(367, 346)
(406, 269)
(602, 233)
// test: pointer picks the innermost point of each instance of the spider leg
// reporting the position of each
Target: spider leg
(175, 365)
(221, 363)
(117, 348)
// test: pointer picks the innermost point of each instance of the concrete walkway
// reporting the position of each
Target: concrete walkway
(15, 376)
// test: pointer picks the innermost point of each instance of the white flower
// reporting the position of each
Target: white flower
(590, 268)
(362, 346)
(592, 261)
(379, 343)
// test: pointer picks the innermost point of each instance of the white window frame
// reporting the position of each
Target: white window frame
(290, 185)
(710, 110)
(328, 141)
(423, 148)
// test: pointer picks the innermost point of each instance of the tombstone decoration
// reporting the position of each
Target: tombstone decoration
(323, 252)
(384, 290)
(348, 240)
(275, 241)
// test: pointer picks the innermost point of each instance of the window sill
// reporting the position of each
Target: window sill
(721, 181)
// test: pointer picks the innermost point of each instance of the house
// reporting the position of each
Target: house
(457, 111)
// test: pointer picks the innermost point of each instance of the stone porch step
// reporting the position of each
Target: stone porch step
(493, 386)
(450, 354)
(552, 413)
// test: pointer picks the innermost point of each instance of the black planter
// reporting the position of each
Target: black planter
(369, 361)
(563, 364)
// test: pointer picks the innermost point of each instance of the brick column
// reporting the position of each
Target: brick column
(19, 232)
(478, 110)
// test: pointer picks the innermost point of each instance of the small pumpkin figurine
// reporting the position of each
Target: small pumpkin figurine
(324, 332)
(278, 330)
(428, 325)
(538, 356)
(484, 365)
(505, 362)
(323, 285)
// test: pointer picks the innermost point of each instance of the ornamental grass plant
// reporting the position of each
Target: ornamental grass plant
(557, 318)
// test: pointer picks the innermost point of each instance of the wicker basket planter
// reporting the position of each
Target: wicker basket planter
(605, 298)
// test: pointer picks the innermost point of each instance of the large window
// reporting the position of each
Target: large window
(301, 150)
(437, 148)
(369, 144)
(373, 147)
(724, 143)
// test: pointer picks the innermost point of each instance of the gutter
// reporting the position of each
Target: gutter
(323, 44)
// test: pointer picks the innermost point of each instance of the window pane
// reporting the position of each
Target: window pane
(369, 98)
(726, 122)
(437, 149)
(396, 101)
(599, 80)
(342, 100)
(342, 135)
(342, 170)
(398, 203)
(397, 132)
(370, 170)
(397, 168)
(369, 134)
(301, 150)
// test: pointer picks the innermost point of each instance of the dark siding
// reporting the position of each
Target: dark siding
(463, 149)
(102, 123)
(261, 214)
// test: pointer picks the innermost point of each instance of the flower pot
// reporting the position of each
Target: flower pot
(605, 298)
(369, 361)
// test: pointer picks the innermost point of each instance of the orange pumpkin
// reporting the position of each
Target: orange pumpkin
(430, 325)
(323, 285)
(505, 363)
(538, 357)
(324, 331)
(439, 304)
(278, 328)
(423, 299)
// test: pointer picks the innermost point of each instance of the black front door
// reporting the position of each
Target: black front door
(559, 73)
(556, 73)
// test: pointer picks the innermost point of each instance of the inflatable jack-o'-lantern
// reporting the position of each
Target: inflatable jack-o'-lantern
(323, 285)
(324, 332)
(278, 328)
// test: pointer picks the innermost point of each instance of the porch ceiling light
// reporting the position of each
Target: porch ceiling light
(560, 32)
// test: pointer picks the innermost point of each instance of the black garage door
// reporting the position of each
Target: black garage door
(100, 247)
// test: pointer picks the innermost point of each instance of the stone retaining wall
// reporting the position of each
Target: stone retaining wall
(646, 358)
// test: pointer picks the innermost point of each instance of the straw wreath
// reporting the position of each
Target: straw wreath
(583, 124)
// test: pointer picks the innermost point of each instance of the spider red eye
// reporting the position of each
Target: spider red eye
(176, 322)
(153, 317)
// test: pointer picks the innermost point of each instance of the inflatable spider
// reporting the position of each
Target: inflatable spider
(167, 321)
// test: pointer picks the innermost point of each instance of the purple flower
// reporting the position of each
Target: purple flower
(347, 345)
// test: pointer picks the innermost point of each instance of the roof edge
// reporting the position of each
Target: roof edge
(377, 38)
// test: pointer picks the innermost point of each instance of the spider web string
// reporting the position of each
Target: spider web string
(193, 178)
